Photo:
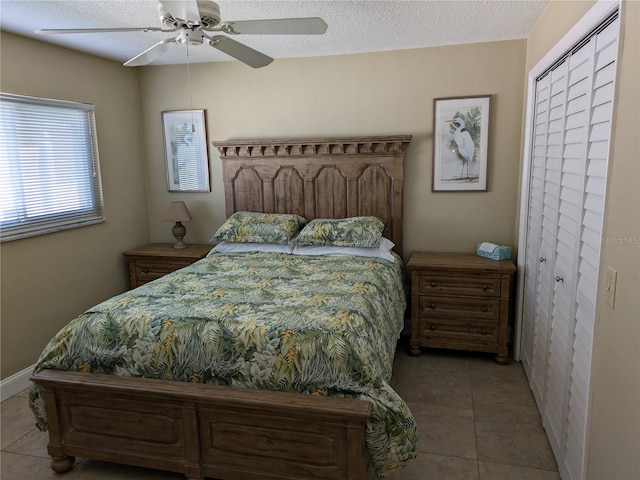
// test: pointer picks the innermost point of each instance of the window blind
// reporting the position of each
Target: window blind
(49, 169)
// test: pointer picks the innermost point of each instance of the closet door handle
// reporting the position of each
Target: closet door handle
(559, 279)
(543, 260)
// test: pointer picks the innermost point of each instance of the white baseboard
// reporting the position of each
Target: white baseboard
(15, 383)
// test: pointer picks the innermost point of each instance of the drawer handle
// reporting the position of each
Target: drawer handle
(145, 270)
(432, 305)
(432, 327)
(485, 309)
(433, 284)
(483, 331)
(485, 286)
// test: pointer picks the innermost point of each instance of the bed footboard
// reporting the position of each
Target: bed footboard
(203, 430)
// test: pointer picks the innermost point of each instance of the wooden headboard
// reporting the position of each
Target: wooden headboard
(318, 178)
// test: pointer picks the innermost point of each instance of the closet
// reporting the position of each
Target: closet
(570, 131)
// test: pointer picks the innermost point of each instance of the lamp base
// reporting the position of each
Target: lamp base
(179, 231)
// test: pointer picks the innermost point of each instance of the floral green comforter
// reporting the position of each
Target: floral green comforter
(315, 325)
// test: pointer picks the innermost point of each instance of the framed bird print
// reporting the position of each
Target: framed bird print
(460, 143)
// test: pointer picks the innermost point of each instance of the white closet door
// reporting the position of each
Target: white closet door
(571, 132)
(534, 228)
(551, 93)
(555, 249)
(593, 81)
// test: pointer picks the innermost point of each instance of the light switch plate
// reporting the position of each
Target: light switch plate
(610, 287)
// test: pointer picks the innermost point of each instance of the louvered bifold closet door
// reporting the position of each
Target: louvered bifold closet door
(569, 158)
(556, 252)
(543, 208)
(592, 86)
(531, 331)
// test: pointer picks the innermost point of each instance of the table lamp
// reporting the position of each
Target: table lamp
(177, 212)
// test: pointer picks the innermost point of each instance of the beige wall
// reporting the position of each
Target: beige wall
(48, 280)
(365, 94)
(615, 409)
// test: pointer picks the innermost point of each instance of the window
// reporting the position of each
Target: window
(49, 170)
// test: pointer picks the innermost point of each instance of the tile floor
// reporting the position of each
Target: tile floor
(477, 420)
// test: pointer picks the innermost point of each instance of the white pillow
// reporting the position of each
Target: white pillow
(241, 247)
(383, 251)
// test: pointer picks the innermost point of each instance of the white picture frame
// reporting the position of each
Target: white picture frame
(185, 147)
(460, 143)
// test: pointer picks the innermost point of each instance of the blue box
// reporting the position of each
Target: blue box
(495, 252)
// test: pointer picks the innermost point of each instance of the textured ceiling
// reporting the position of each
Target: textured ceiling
(354, 26)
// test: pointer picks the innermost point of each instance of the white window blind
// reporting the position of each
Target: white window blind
(49, 170)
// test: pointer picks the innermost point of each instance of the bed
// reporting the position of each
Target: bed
(251, 413)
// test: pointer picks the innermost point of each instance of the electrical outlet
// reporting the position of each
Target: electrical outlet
(610, 287)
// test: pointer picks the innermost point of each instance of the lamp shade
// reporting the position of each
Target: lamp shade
(177, 212)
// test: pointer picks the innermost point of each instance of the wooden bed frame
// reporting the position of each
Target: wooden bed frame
(318, 178)
(235, 433)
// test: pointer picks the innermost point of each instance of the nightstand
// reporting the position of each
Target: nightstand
(157, 259)
(461, 301)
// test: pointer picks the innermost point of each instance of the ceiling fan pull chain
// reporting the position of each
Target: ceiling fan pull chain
(193, 127)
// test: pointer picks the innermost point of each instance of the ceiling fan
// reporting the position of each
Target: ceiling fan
(199, 22)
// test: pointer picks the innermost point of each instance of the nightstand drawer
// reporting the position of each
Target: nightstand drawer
(467, 286)
(155, 260)
(147, 271)
(465, 307)
(461, 330)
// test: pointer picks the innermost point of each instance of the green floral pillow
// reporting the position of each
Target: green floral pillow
(364, 232)
(255, 227)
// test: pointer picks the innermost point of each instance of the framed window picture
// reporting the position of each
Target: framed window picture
(460, 143)
(185, 149)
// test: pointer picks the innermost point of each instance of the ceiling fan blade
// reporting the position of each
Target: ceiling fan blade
(186, 10)
(240, 51)
(46, 31)
(287, 26)
(150, 54)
